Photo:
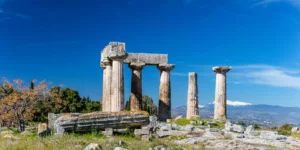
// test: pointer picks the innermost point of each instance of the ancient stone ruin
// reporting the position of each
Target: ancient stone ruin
(113, 56)
(220, 95)
(192, 99)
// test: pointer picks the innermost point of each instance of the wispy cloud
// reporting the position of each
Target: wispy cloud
(267, 2)
(269, 75)
(8, 15)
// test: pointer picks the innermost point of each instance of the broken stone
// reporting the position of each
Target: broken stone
(295, 129)
(43, 130)
(251, 132)
(160, 147)
(119, 148)
(93, 146)
(100, 120)
(269, 135)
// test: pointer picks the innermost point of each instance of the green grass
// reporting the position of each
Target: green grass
(74, 141)
(204, 121)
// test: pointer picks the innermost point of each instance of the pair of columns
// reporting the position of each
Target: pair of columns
(113, 87)
(220, 110)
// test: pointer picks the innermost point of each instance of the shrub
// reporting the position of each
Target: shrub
(182, 121)
(285, 130)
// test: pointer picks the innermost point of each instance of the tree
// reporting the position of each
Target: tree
(17, 100)
(147, 105)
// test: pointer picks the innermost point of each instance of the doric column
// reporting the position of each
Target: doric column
(117, 86)
(136, 86)
(192, 99)
(106, 95)
(220, 111)
(164, 106)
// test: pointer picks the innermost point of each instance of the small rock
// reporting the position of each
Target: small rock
(7, 132)
(165, 127)
(108, 132)
(238, 128)
(269, 135)
(121, 142)
(189, 128)
(213, 130)
(119, 148)
(228, 126)
(169, 120)
(251, 132)
(43, 129)
(93, 146)
(295, 129)
(193, 122)
(160, 147)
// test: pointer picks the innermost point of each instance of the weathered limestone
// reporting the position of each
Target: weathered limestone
(43, 130)
(192, 99)
(117, 86)
(100, 121)
(149, 59)
(107, 78)
(220, 112)
(164, 110)
(136, 86)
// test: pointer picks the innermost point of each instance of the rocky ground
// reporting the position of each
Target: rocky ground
(177, 134)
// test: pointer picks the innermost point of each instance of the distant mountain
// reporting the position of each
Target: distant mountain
(265, 115)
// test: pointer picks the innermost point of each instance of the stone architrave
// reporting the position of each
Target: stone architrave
(107, 78)
(136, 86)
(192, 99)
(164, 106)
(220, 110)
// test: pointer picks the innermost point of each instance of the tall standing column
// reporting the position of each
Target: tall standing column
(192, 99)
(117, 86)
(220, 112)
(106, 95)
(136, 86)
(164, 106)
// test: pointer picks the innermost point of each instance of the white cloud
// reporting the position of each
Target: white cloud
(269, 75)
(201, 106)
(235, 103)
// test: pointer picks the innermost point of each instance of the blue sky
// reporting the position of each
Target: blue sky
(60, 41)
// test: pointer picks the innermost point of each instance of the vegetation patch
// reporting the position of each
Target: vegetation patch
(285, 130)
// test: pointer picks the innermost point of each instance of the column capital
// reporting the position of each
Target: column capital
(103, 64)
(165, 67)
(221, 69)
(136, 66)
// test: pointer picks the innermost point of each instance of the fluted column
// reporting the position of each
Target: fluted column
(117, 86)
(136, 86)
(192, 99)
(220, 112)
(106, 92)
(164, 106)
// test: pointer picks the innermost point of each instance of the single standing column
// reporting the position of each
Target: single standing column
(164, 106)
(106, 95)
(117, 86)
(136, 86)
(220, 112)
(192, 99)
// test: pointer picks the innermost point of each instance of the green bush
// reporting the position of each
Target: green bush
(182, 121)
(285, 130)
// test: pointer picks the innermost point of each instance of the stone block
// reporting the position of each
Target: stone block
(43, 130)
(295, 129)
(148, 59)
(269, 135)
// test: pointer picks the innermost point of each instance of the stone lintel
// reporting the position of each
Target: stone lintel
(136, 66)
(221, 69)
(148, 59)
(166, 67)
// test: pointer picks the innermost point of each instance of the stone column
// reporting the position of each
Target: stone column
(136, 86)
(164, 106)
(117, 86)
(192, 99)
(106, 94)
(220, 112)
